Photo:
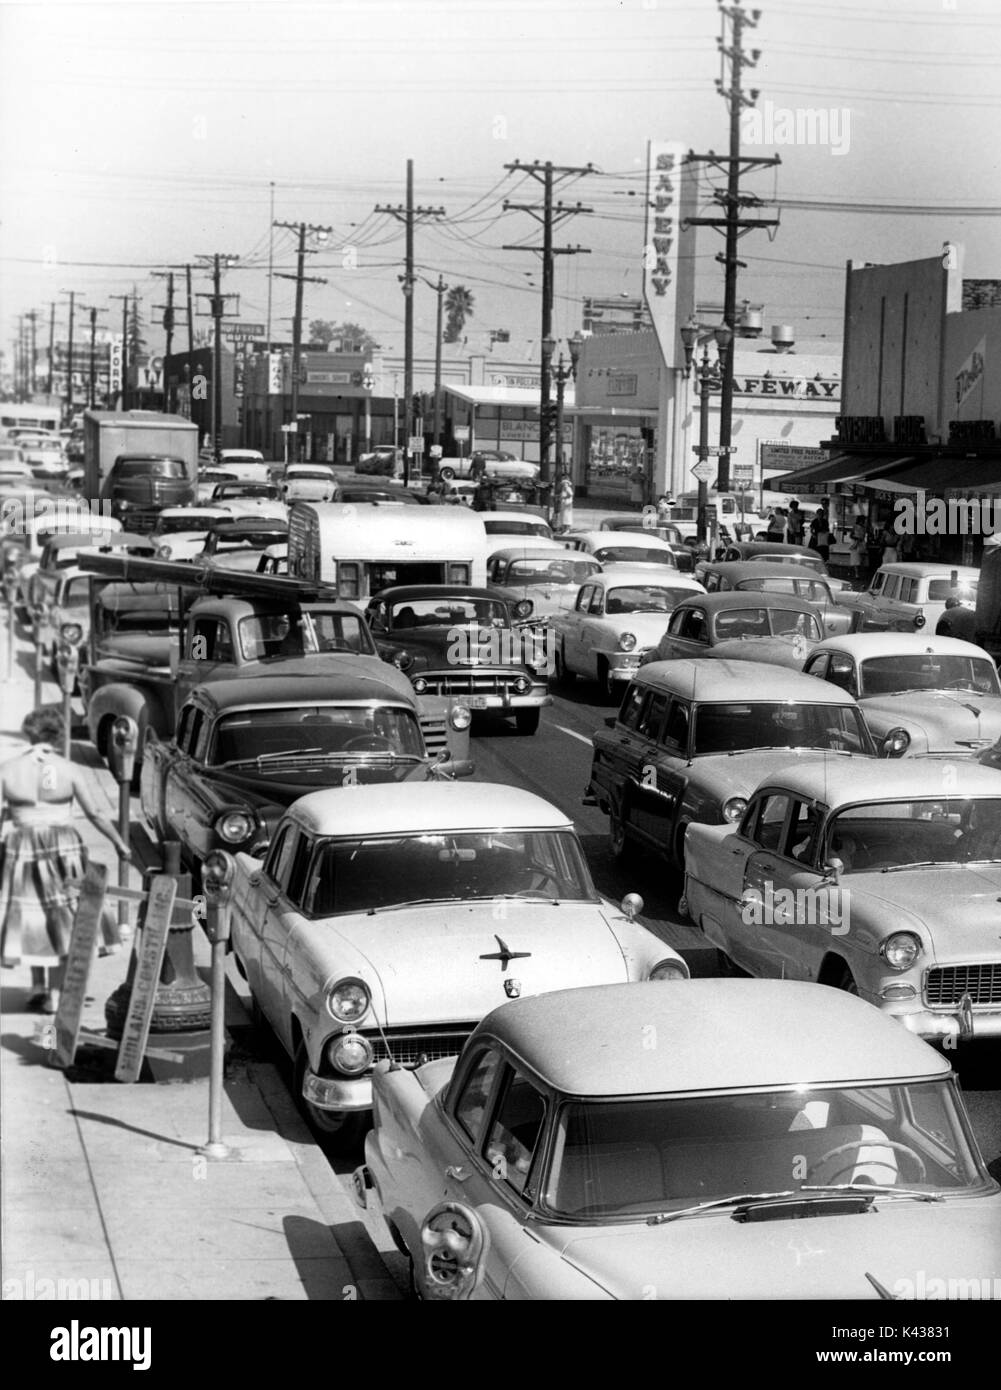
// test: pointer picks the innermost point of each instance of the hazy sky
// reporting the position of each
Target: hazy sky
(135, 136)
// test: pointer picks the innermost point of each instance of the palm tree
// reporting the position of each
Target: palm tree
(459, 304)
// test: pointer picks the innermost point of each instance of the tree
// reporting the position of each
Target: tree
(351, 336)
(459, 307)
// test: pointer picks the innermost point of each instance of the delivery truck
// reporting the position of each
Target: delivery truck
(113, 435)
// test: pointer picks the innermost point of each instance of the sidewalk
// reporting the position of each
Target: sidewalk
(105, 1193)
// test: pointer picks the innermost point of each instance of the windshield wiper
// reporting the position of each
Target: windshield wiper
(283, 753)
(918, 864)
(880, 1191)
(414, 902)
(663, 1217)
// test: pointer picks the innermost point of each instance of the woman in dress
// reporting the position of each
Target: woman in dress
(42, 857)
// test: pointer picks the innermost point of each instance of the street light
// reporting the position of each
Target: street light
(708, 376)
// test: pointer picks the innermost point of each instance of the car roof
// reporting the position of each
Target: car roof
(916, 569)
(774, 548)
(744, 598)
(621, 576)
(711, 1035)
(201, 512)
(344, 678)
(402, 592)
(706, 678)
(248, 525)
(861, 645)
(836, 782)
(510, 516)
(425, 808)
(543, 552)
(610, 538)
(735, 570)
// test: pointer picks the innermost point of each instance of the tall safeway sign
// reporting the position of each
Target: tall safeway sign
(669, 247)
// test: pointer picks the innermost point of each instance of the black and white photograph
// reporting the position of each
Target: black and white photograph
(591, 410)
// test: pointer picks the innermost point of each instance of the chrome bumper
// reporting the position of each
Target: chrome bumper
(337, 1093)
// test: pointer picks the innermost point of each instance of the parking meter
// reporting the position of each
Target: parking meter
(40, 631)
(67, 664)
(124, 741)
(217, 880)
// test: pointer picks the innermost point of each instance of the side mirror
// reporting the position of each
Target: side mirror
(833, 870)
(632, 906)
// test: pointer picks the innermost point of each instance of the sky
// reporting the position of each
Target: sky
(140, 136)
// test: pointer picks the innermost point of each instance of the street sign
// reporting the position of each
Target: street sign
(461, 434)
(416, 444)
(149, 961)
(79, 963)
(714, 450)
(703, 471)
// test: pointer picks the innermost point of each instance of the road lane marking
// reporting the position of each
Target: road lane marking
(572, 732)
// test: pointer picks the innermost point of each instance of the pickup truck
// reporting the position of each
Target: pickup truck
(245, 749)
(236, 625)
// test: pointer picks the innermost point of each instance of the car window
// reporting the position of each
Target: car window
(472, 1100)
(941, 589)
(817, 666)
(842, 671)
(597, 601)
(907, 593)
(295, 886)
(801, 837)
(770, 821)
(695, 625)
(584, 597)
(211, 641)
(891, 586)
(632, 703)
(653, 716)
(712, 583)
(185, 726)
(515, 1131)
(674, 735)
(786, 620)
(280, 854)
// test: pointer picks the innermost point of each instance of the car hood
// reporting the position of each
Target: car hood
(569, 945)
(783, 650)
(737, 774)
(648, 628)
(281, 783)
(956, 904)
(439, 648)
(904, 1245)
(943, 719)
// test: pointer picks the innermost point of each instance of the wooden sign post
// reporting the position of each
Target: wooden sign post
(149, 961)
(79, 963)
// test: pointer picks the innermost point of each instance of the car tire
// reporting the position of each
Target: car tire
(606, 688)
(564, 676)
(447, 473)
(337, 1132)
(619, 843)
(527, 720)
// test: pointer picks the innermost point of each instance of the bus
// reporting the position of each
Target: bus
(21, 415)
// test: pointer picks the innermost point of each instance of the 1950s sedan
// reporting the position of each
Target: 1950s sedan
(783, 626)
(744, 1139)
(386, 921)
(881, 878)
(694, 738)
(920, 694)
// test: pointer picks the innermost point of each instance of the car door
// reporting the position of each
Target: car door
(651, 803)
(836, 667)
(269, 911)
(687, 633)
(572, 625)
(751, 943)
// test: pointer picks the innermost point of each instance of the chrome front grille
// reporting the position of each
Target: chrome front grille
(946, 984)
(471, 682)
(413, 1046)
(435, 733)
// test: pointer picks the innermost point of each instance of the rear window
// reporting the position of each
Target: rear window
(941, 589)
(150, 468)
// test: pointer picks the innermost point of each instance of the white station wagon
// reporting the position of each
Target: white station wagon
(908, 595)
(386, 921)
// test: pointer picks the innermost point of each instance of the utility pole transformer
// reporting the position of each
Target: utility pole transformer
(168, 328)
(322, 233)
(548, 175)
(408, 215)
(732, 202)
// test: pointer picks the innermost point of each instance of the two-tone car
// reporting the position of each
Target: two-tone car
(778, 628)
(920, 694)
(908, 596)
(549, 581)
(246, 749)
(615, 621)
(387, 920)
(307, 482)
(517, 528)
(693, 739)
(739, 1139)
(179, 532)
(251, 499)
(751, 576)
(466, 642)
(882, 879)
(622, 548)
(236, 543)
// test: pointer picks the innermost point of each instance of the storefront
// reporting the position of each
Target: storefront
(501, 417)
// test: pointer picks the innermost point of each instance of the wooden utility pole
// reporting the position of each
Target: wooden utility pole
(69, 358)
(125, 347)
(52, 347)
(217, 309)
(300, 277)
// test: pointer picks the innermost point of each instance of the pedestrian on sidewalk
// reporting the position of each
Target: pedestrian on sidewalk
(43, 858)
(795, 524)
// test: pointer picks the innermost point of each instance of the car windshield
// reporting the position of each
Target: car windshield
(450, 610)
(646, 1156)
(765, 622)
(806, 561)
(507, 527)
(174, 525)
(366, 875)
(644, 598)
(216, 541)
(237, 490)
(150, 468)
(810, 589)
(636, 555)
(551, 571)
(890, 675)
(337, 632)
(941, 589)
(316, 730)
(738, 727)
(268, 635)
(888, 835)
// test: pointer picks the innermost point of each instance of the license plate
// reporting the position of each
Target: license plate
(475, 701)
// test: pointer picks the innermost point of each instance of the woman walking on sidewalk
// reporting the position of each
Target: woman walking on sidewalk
(42, 857)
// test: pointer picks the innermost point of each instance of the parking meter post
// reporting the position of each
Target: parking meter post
(38, 630)
(10, 637)
(217, 879)
(124, 738)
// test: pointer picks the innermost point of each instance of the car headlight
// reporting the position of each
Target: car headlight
(523, 608)
(460, 716)
(420, 685)
(402, 660)
(349, 1000)
(233, 826)
(71, 633)
(163, 552)
(350, 1053)
(523, 685)
(669, 970)
(627, 641)
(900, 950)
(896, 743)
(734, 808)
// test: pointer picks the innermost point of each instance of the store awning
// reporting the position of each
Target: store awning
(505, 395)
(842, 468)
(980, 475)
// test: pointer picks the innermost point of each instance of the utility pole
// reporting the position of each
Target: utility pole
(191, 315)
(125, 347)
(549, 175)
(19, 359)
(440, 289)
(321, 233)
(52, 346)
(408, 215)
(168, 328)
(32, 318)
(69, 361)
(217, 308)
(732, 201)
(271, 261)
(92, 393)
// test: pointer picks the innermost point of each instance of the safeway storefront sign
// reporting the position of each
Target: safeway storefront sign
(799, 388)
(669, 249)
